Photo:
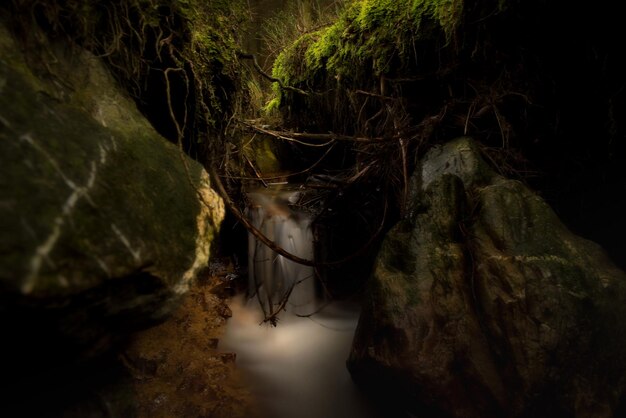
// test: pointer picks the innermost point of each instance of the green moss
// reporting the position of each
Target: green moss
(373, 30)
(271, 106)
(262, 152)
(370, 39)
(291, 65)
(326, 46)
(140, 39)
(49, 145)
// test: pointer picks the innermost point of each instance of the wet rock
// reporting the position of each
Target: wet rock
(227, 358)
(212, 343)
(101, 230)
(483, 304)
(192, 374)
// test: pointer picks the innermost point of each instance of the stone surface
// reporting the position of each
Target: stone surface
(483, 304)
(177, 370)
(101, 230)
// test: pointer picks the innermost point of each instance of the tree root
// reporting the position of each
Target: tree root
(257, 67)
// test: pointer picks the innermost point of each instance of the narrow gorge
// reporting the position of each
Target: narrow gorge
(312, 209)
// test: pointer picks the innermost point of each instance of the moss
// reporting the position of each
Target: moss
(369, 31)
(49, 145)
(140, 40)
(285, 65)
(263, 152)
(271, 106)
(370, 39)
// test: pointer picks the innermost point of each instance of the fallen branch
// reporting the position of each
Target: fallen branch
(299, 136)
(272, 245)
(248, 225)
(269, 77)
(272, 318)
(255, 171)
(378, 96)
(296, 173)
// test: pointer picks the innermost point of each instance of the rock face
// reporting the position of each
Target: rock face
(100, 227)
(483, 304)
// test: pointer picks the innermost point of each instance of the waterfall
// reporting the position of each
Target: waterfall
(272, 277)
(298, 368)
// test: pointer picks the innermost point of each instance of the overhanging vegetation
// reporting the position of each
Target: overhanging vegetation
(178, 58)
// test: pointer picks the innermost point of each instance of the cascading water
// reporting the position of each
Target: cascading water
(296, 369)
(273, 278)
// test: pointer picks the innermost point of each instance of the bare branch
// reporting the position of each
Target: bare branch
(296, 173)
(299, 136)
(378, 96)
(269, 77)
(256, 172)
(248, 225)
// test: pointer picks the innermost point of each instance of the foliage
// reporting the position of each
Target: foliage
(543, 95)
(371, 38)
(288, 25)
(354, 71)
(408, 74)
(177, 57)
(298, 19)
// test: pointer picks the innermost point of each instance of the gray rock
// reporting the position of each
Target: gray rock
(483, 304)
(100, 227)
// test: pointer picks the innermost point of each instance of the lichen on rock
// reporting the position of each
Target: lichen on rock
(483, 304)
(104, 222)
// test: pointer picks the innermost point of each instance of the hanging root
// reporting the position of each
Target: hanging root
(265, 75)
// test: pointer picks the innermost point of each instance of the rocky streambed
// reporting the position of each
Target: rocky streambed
(176, 368)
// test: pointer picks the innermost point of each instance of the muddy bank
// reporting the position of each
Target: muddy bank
(176, 368)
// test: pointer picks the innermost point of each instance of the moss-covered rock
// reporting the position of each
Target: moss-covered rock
(104, 223)
(371, 41)
(483, 304)
(372, 38)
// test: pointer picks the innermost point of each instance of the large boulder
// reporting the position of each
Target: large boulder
(103, 223)
(483, 304)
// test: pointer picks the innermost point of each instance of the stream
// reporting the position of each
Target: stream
(298, 367)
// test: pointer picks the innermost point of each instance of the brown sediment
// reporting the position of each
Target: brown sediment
(176, 367)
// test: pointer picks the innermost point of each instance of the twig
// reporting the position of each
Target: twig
(378, 96)
(269, 77)
(256, 172)
(272, 318)
(246, 223)
(311, 167)
(298, 136)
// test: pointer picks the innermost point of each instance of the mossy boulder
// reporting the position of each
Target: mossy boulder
(484, 304)
(104, 224)
(372, 43)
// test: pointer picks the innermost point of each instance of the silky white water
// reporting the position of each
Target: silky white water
(296, 369)
(272, 278)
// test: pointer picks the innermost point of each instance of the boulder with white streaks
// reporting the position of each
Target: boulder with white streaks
(102, 227)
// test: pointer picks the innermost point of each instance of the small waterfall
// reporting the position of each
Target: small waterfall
(272, 277)
(298, 368)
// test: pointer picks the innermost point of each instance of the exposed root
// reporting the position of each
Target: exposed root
(258, 68)
(299, 137)
(248, 225)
